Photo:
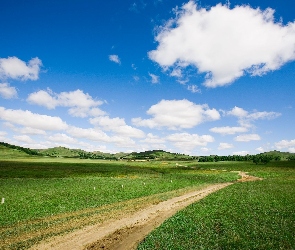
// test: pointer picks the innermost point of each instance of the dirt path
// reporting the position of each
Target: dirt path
(127, 232)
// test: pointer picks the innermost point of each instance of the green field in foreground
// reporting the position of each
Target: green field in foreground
(250, 215)
(43, 194)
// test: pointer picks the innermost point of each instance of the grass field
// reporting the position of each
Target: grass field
(250, 215)
(50, 196)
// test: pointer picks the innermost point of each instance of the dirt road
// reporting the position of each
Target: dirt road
(125, 233)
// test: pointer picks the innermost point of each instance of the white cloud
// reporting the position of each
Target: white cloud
(115, 59)
(228, 130)
(260, 149)
(43, 98)
(7, 92)
(248, 137)
(2, 135)
(23, 138)
(194, 88)
(176, 72)
(32, 120)
(224, 43)
(14, 68)
(246, 118)
(241, 153)
(153, 142)
(205, 150)
(88, 133)
(238, 112)
(285, 144)
(79, 103)
(155, 79)
(62, 138)
(224, 145)
(153, 139)
(117, 125)
(31, 131)
(263, 115)
(177, 114)
(95, 134)
(188, 142)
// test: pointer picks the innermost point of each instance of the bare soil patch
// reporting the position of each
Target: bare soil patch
(246, 177)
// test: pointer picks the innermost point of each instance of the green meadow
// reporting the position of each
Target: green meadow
(248, 215)
(43, 196)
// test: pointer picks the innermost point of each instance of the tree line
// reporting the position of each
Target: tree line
(260, 158)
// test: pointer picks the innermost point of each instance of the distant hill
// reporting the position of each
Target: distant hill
(11, 151)
(61, 152)
(158, 155)
(8, 151)
(283, 155)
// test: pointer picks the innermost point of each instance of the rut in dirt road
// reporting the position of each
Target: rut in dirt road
(126, 233)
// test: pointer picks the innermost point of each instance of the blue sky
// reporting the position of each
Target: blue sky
(196, 77)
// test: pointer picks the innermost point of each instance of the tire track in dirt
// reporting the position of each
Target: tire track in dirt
(126, 233)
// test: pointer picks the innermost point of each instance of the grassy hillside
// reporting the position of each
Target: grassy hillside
(8, 151)
(12, 151)
(61, 152)
(283, 155)
(79, 153)
(158, 155)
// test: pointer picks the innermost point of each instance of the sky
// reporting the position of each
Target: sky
(196, 77)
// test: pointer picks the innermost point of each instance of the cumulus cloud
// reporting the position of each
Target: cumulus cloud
(285, 144)
(241, 152)
(224, 145)
(245, 118)
(31, 120)
(224, 43)
(260, 149)
(2, 135)
(154, 78)
(88, 133)
(7, 92)
(115, 59)
(247, 137)
(23, 138)
(79, 103)
(188, 142)
(116, 125)
(228, 130)
(176, 72)
(193, 88)
(62, 138)
(153, 139)
(14, 68)
(24, 130)
(238, 112)
(177, 114)
(95, 134)
(31, 131)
